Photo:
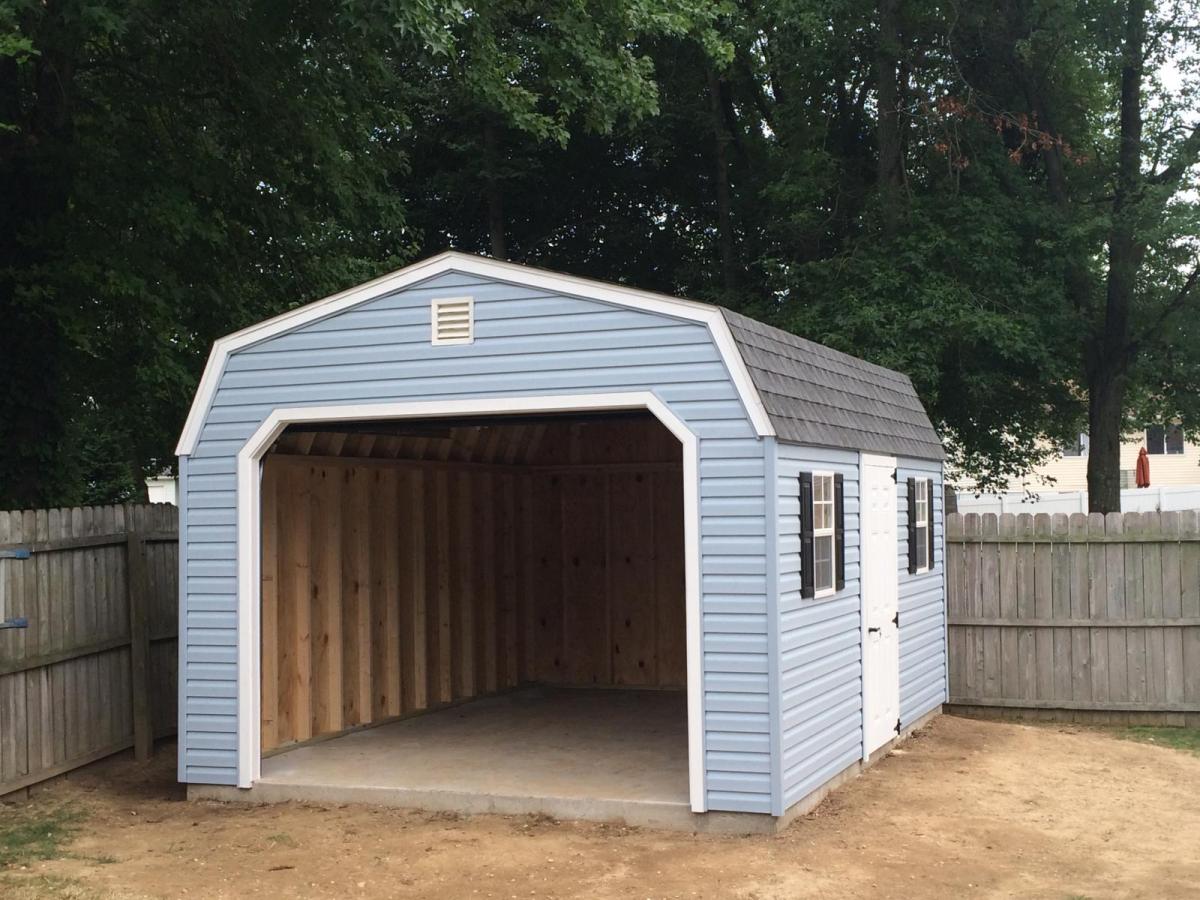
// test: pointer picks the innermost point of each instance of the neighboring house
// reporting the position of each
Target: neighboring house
(161, 489)
(1173, 462)
(440, 533)
(1060, 484)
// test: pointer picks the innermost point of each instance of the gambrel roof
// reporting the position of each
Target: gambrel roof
(821, 397)
(793, 389)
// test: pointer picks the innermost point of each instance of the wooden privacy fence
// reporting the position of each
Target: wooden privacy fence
(1092, 614)
(93, 671)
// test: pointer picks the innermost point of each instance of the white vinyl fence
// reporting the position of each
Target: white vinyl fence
(1151, 499)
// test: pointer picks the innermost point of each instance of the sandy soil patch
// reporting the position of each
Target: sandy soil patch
(967, 808)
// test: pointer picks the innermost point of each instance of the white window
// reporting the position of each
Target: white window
(1155, 439)
(1166, 439)
(824, 542)
(922, 530)
(1078, 448)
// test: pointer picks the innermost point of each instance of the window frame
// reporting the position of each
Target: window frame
(1173, 434)
(1161, 440)
(923, 495)
(1077, 450)
(829, 531)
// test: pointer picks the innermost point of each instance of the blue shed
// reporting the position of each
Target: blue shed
(483, 537)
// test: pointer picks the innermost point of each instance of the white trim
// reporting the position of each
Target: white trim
(468, 264)
(249, 544)
(924, 485)
(866, 460)
(830, 532)
(435, 306)
(875, 459)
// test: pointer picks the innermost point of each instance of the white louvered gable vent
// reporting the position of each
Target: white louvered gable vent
(453, 320)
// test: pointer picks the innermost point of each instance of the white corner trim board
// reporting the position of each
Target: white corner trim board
(249, 538)
(469, 264)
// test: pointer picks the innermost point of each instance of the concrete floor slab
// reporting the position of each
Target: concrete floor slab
(585, 744)
(569, 753)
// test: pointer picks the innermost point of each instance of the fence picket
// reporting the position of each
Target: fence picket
(1008, 608)
(1136, 525)
(1078, 608)
(1056, 601)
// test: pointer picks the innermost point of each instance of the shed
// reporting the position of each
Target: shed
(482, 537)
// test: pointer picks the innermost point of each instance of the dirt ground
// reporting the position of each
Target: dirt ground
(966, 808)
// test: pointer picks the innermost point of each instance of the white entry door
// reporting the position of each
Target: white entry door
(881, 603)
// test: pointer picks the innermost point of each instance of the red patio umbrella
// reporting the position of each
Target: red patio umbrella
(1143, 469)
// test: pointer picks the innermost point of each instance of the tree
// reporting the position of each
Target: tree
(523, 81)
(170, 173)
(1122, 196)
(998, 199)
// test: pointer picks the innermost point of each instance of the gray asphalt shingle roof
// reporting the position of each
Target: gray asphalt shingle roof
(818, 396)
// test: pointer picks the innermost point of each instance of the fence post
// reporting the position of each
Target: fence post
(137, 586)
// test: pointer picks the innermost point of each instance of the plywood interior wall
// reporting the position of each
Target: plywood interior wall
(392, 586)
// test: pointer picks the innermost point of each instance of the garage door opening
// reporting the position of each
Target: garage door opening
(476, 612)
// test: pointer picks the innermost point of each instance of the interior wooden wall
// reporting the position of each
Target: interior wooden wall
(609, 593)
(391, 587)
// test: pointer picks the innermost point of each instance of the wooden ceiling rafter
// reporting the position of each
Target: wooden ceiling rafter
(537, 441)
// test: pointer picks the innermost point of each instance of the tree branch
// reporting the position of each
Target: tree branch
(1167, 311)
(1187, 156)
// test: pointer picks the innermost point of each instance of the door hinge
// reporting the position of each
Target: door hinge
(894, 481)
(897, 726)
(896, 619)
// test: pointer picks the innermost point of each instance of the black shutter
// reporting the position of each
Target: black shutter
(929, 530)
(806, 535)
(914, 555)
(839, 530)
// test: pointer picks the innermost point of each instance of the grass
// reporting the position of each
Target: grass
(1186, 739)
(30, 834)
(45, 887)
(27, 836)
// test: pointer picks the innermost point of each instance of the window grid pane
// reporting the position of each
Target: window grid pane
(1155, 439)
(824, 548)
(1174, 439)
(823, 562)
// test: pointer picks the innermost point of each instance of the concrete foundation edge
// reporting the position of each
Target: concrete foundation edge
(670, 816)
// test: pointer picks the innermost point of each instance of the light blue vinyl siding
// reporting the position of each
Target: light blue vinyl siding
(820, 644)
(923, 684)
(527, 342)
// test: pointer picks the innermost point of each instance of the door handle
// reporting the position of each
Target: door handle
(874, 630)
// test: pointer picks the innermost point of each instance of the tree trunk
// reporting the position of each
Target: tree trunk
(1106, 416)
(1110, 351)
(137, 475)
(495, 193)
(722, 138)
(890, 167)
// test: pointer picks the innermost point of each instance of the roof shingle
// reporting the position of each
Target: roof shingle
(818, 396)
